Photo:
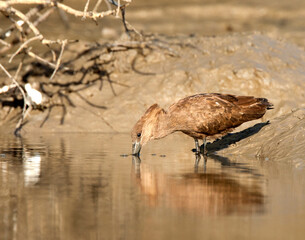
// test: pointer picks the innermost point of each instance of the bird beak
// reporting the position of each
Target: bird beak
(136, 148)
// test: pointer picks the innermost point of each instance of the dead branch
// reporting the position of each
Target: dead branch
(24, 18)
(6, 88)
(41, 60)
(118, 9)
(85, 10)
(98, 3)
(7, 8)
(24, 31)
(39, 37)
(4, 6)
(5, 43)
(26, 103)
(59, 58)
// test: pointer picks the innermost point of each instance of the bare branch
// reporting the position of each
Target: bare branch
(25, 112)
(118, 9)
(6, 88)
(25, 101)
(64, 42)
(14, 81)
(41, 60)
(18, 69)
(25, 29)
(39, 37)
(5, 43)
(44, 16)
(5, 5)
(23, 17)
(98, 3)
(85, 9)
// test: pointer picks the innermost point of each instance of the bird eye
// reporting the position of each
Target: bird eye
(139, 135)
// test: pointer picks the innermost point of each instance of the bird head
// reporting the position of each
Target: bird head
(144, 129)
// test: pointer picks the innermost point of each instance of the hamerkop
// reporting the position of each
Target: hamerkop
(201, 116)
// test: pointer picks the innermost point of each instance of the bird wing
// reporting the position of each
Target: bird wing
(211, 114)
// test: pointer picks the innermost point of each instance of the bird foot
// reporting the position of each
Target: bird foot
(194, 150)
(204, 153)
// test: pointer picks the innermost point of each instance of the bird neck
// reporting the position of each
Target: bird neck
(161, 125)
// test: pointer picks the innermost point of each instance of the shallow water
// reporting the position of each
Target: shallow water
(86, 186)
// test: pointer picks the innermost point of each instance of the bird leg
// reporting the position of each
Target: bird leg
(198, 157)
(205, 146)
(197, 146)
(197, 160)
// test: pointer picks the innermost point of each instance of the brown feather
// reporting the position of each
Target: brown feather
(200, 116)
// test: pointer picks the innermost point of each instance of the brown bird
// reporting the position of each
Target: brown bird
(201, 116)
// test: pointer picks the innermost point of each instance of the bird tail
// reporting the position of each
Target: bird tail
(253, 108)
(266, 103)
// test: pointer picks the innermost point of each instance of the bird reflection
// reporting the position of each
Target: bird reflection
(203, 192)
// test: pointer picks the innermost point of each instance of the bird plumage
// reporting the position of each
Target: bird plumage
(199, 116)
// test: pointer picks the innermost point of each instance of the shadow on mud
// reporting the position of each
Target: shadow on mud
(233, 138)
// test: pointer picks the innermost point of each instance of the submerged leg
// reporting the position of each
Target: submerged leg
(197, 160)
(197, 146)
(205, 146)
(205, 159)
(198, 157)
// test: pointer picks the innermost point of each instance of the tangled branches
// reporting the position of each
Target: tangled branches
(24, 31)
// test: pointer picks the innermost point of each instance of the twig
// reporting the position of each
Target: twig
(14, 81)
(132, 27)
(118, 9)
(23, 17)
(81, 14)
(4, 6)
(85, 9)
(25, 101)
(25, 112)
(5, 43)
(17, 24)
(64, 42)
(6, 88)
(97, 5)
(18, 69)
(39, 37)
(39, 59)
(44, 16)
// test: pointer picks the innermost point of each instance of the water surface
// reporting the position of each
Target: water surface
(86, 186)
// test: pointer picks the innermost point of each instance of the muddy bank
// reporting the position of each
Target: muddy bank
(282, 140)
(111, 90)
